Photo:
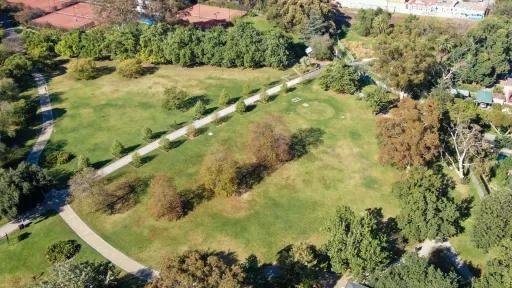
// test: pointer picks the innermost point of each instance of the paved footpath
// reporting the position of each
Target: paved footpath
(56, 200)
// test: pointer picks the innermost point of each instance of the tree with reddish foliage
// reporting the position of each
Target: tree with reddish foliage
(410, 135)
(269, 142)
(164, 202)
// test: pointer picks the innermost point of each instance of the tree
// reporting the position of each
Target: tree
(284, 89)
(22, 188)
(93, 44)
(500, 121)
(314, 26)
(322, 47)
(410, 136)
(413, 272)
(122, 41)
(117, 11)
(147, 134)
(82, 162)
(426, 209)
(378, 99)
(493, 220)
(264, 97)
(8, 89)
(40, 44)
(174, 98)
(69, 44)
(130, 68)
(340, 78)
(61, 251)
(17, 67)
(136, 160)
(277, 49)
(84, 183)
(199, 109)
(117, 149)
(218, 173)
(498, 272)
(301, 264)
(191, 132)
(152, 42)
(372, 22)
(240, 106)
(199, 269)
(223, 98)
(82, 274)
(294, 16)
(164, 202)
(269, 142)
(165, 143)
(357, 242)
(179, 47)
(83, 69)
(503, 8)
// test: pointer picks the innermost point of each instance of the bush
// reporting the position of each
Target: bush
(130, 68)
(264, 97)
(378, 99)
(223, 98)
(82, 163)
(117, 149)
(83, 69)
(61, 251)
(16, 66)
(199, 109)
(322, 47)
(174, 99)
(8, 89)
(191, 131)
(165, 143)
(219, 173)
(240, 106)
(269, 142)
(147, 134)
(58, 158)
(136, 160)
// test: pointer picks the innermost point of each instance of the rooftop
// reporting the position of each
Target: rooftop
(208, 16)
(79, 15)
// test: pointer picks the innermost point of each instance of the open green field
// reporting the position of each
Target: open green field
(24, 259)
(289, 206)
(92, 114)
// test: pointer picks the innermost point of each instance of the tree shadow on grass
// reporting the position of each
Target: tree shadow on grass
(130, 281)
(249, 108)
(250, 174)
(101, 163)
(191, 102)
(104, 70)
(149, 70)
(233, 100)
(23, 236)
(58, 112)
(130, 149)
(210, 110)
(147, 159)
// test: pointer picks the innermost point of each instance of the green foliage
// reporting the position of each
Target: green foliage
(61, 251)
(40, 44)
(58, 158)
(503, 8)
(264, 97)
(284, 89)
(297, 16)
(22, 188)
(69, 44)
(493, 220)
(8, 89)
(304, 139)
(147, 134)
(315, 25)
(218, 173)
(123, 41)
(481, 66)
(301, 265)
(199, 109)
(372, 22)
(83, 69)
(136, 160)
(413, 272)
(498, 272)
(93, 44)
(340, 78)
(16, 66)
(223, 98)
(165, 143)
(174, 98)
(117, 149)
(179, 47)
(378, 99)
(322, 47)
(82, 163)
(130, 68)
(278, 47)
(83, 274)
(152, 43)
(357, 242)
(240, 106)
(191, 131)
(426, 209)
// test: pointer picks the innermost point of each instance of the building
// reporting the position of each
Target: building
(471, 10)
(77, 16)
(206, 16)
(484, 98)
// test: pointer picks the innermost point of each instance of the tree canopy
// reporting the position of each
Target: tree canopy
(339, 77)
(498, 272)
(82, 274)
(493, 220)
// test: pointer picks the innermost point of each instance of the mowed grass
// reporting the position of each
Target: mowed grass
(20, 261)
(291, 205)
(92, 114)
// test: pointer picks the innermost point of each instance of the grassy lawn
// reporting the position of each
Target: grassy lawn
(289, 206)
(21, 260)
(92, 114)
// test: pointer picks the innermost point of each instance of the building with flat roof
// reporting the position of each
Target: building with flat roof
(471, 10)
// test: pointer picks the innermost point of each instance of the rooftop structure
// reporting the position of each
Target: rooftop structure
(472, 10)
(208, 16)
(44, 5)
(76, 16)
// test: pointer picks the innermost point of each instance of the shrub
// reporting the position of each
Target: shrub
(223, 98)
(284, 89)
(240, 106)
(16, 66)
(191, 131)
(82, 162)
(264, 97)
(174, 98)
(130, 68)
(58, 158)
(199, 109)
(147, 134)
(165, 143)
(339, 77)
(8, 89)
(136, 160)
(117, 149)
(322, 47)
(246, 91)
(269, 142)
(83, 69)
(61, 251)
(219, 173)
(164, 202)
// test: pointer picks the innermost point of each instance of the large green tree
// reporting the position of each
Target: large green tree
(426, 209)
(357, 243)
(296, 15)
(413, 272)
(493, 220)
(22, 188)
(340, 78)
(498, 272)
(80, 275)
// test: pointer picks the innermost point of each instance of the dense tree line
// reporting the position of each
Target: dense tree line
(240, 46)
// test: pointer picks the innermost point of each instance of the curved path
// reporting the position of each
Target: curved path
(56, 200)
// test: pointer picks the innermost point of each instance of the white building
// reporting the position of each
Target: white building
(475, 10)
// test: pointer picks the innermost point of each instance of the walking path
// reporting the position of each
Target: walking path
(429, 246)
(56, 200)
